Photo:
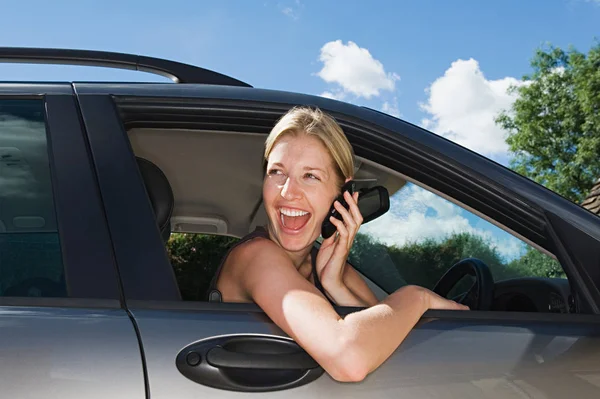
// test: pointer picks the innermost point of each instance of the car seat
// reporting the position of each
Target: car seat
(160, 194)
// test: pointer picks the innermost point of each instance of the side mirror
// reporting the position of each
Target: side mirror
(373, 202)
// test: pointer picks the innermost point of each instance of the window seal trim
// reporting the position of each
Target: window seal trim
(60, 302)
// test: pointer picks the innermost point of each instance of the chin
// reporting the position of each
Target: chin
(294, 241)
(295, 244)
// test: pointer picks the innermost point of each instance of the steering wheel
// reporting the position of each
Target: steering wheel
(480, 295)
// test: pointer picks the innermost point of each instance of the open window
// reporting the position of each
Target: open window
(215, 173)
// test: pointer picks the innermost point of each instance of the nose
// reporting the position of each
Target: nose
(290, 190)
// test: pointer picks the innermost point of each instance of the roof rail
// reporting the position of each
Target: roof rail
(176, 71)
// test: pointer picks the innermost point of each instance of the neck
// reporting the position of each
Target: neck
(298, 257)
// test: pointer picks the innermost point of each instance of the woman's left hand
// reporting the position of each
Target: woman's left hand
(333, 253)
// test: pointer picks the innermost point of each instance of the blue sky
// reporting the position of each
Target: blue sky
(441, 64)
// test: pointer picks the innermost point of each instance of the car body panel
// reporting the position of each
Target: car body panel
(443, 357)
(69, 353)
(23, 89)
(84, 345)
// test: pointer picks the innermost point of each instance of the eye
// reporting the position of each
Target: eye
(274, 172)
(311, 176)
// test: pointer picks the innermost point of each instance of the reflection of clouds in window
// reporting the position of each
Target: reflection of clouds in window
(416, 214)
(23, 158)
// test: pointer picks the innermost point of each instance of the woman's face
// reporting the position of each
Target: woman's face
(299, 187)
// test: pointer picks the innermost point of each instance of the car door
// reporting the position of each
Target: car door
(63, 332)
(201, 349)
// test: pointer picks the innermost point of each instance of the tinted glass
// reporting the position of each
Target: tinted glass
(30, 257)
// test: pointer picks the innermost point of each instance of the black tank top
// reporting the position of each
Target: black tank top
(214, 295)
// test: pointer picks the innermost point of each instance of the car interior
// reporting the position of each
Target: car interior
(171, 160)
(180, 166)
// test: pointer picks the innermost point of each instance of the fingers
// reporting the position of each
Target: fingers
(327, 242)
(348, 219)
(343, 243)
(458, 306)
(352, 218)
(343, 233)
(437, 302)
(354, 208)
(346, 229)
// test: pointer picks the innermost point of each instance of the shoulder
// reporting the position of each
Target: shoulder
(259, 246)
(256, 256)
(260, 266)
(241, 264)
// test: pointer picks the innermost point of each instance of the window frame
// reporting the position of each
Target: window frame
(390, 142)
(88, 262)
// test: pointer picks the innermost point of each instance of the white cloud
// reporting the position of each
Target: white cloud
(391, 108)
(293, 10)
(335, 95)
(463, 105)
(354, 70)
(416, 214)
(290, 12)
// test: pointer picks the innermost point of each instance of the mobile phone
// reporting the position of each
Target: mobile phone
(328, 228)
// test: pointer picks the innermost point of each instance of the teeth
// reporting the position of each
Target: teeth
(292, 212)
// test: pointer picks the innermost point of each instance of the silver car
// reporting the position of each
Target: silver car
(102, 184)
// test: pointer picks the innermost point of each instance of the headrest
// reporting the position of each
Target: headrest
(160, 193)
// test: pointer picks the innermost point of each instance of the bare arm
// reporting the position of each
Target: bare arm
(358, 286)
(345, 348)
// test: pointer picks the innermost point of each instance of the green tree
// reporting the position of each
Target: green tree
(534, 264)
(554, 125)
(425, 262)
(372, 259)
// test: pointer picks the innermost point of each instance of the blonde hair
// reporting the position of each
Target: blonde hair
(316, 123)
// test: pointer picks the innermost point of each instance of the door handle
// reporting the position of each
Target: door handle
(223, 358)
(248, 363)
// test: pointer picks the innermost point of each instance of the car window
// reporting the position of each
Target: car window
(30, 257)
(423, 235)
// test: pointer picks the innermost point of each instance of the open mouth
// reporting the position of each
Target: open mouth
(293, 219)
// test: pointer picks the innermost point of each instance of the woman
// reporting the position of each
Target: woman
(307, 160)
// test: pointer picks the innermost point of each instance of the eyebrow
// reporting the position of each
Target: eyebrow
(279, 164)
(313, 168)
